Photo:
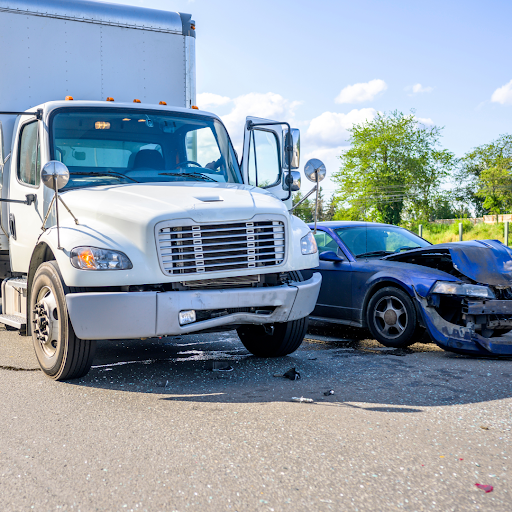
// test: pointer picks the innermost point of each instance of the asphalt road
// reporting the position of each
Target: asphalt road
(152, 427)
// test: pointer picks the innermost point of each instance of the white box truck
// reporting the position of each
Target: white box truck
(125, 212)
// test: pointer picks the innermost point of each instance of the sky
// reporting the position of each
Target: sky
(326, 64)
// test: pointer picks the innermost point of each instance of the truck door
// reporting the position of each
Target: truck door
(25, 221)
(263, 162)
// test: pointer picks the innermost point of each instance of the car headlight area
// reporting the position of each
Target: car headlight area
(463, 289)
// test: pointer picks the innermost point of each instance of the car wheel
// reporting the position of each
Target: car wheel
(391, 318)
(61, 355)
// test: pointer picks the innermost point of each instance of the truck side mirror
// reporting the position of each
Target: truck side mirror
(291, 140)
(294, 178)
(55, 175)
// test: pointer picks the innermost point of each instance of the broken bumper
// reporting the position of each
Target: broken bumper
(124, 315)
(464, 340)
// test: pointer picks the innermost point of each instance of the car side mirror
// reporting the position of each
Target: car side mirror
(330, 256)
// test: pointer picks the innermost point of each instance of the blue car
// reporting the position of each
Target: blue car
(396, 284)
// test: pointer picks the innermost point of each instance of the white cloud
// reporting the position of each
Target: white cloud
(207, 100)
(417, 88)
(268, 106)
(329, 129)
(503, 94)
(426, 121)
(361, 92)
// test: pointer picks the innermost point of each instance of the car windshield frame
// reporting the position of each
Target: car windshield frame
(225, 169)
(375, 249)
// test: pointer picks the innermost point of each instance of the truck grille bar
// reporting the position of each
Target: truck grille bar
(198, 248)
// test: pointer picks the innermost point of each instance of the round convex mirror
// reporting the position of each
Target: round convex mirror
(315, 170)
(55, 172)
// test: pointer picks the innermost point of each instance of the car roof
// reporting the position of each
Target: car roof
(333, 224)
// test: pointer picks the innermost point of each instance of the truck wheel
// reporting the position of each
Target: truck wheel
(275, 340)
(60, 353)
(391, 318)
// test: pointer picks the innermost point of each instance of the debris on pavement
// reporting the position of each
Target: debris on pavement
(291, 374)
(486, 488)
(302, 399)
(483, 427)
(330, 392)
(221, 366)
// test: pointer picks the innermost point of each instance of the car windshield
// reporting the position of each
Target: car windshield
(377, 241)
(114, 146)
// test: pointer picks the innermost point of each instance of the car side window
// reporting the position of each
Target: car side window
(29, 155)
(325, 242)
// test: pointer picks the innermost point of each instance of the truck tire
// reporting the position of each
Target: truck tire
(391, 318)
(275, 340)
(60, 353)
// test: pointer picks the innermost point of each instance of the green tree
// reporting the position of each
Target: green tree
(476, 179)
(305, 211)
(496, 189)
(393, 169)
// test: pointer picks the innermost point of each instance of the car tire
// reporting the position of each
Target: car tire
(60, 353)
(392, 319)
(275, 340)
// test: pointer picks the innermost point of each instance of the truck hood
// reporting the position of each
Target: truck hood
(142, 203)
(483, 261)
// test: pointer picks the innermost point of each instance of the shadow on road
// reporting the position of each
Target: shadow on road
(358, 370)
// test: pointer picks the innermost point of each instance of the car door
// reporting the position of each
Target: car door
(335, 298)
(263, 161)
(25, 221)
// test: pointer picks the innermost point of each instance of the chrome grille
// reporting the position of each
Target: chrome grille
(198, 248)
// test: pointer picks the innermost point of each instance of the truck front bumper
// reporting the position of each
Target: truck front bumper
(123, 315)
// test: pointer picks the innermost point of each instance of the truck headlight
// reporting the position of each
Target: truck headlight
(468, 290)
(308, 244)
(92, 258)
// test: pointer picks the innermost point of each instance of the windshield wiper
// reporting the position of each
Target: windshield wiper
(188, 175)
(374, 253)
(103, 173)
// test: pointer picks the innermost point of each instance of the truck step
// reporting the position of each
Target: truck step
(17, 321)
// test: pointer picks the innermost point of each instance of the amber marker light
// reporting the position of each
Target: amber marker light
(194, 107)
(102, 125)
(109, 98)
(69, 98)
(86, 259)
(136, 101)
(126, 119)
(162, 103)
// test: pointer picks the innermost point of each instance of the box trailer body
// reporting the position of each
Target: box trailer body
(157, 229)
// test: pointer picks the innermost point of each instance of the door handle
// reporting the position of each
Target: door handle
(12, 226)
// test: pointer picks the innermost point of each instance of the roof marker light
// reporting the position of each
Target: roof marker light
(194, 107)
(69, 98)
(109, 98)
(136, 101)
(162, 103)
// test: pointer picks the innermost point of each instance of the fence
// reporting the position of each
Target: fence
(461, 227)
(486, 219)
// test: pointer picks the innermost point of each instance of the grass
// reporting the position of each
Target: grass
(441, 233)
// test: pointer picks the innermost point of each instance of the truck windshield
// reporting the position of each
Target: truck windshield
(113, 146)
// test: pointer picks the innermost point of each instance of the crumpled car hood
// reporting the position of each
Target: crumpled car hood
(483, 261)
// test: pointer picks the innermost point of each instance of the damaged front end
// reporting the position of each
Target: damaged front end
(471, 314)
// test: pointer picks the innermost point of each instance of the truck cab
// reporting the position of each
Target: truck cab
(135, 219)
